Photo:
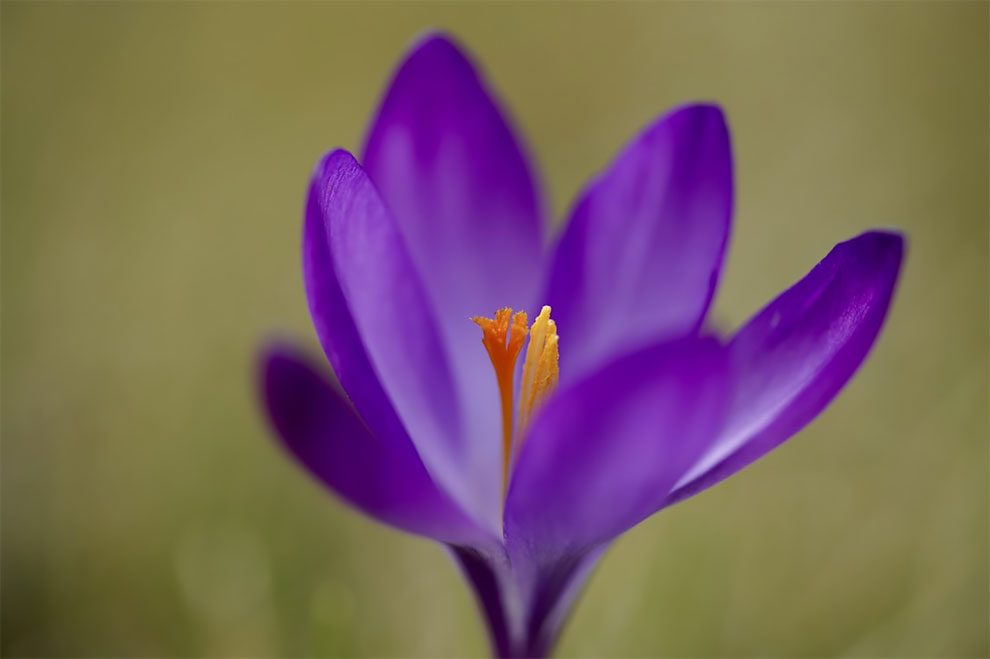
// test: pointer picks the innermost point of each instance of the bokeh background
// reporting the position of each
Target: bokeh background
(154, 160)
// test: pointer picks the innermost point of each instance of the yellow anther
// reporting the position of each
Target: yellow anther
(503, 341)
(540, 371)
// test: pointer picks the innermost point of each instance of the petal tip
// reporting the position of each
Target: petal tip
(332, 160)
(692, 120)
(883, 238)
(699, 118)
(277, 369)
(269, 356)
(708, 110)
(435, 47)
(434, 39)
(888, 240)
(277, 361)
(877, 250)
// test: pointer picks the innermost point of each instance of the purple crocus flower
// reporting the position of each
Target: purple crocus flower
(526, 459)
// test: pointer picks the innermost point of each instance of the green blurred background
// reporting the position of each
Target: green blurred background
(154, 159)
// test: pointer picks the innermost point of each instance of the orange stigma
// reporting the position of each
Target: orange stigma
(504, 340)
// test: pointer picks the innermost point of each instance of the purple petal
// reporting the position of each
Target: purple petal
(456, 179)
(384, 476)
(598, 459)
(332, 318)
(793, 357)
(602, 454)
(393, 321)
(641, 254)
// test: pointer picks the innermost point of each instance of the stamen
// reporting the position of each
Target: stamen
(540, 371)
(503, 343)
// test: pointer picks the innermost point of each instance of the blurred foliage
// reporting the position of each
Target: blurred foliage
(154, 159)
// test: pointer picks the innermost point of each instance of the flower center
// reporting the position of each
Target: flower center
(503, 338)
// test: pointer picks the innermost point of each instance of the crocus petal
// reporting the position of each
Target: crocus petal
(641, 254)
(599, 458)
(384, 477)
(794, 356)
(602, 453)
(382, 293)
(458, 184)
(455, 177)
(332, 318)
